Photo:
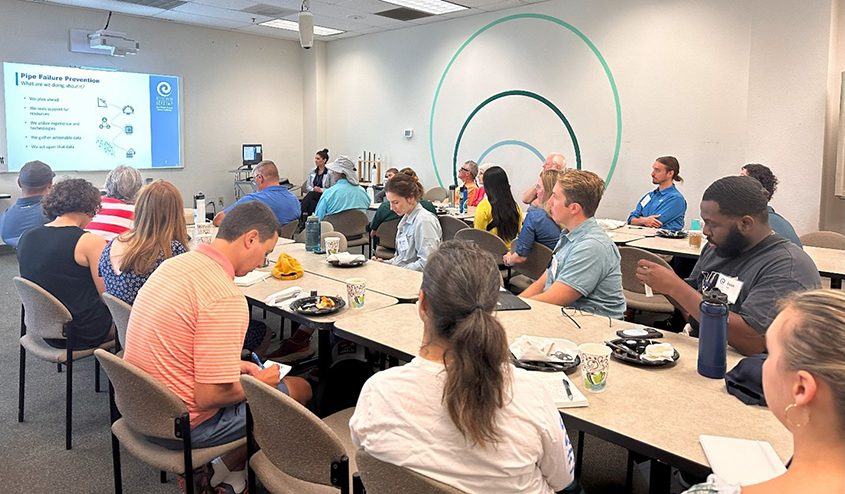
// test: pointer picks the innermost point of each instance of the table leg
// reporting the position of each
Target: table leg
(324, 351)
(660, 478)
(579, 455)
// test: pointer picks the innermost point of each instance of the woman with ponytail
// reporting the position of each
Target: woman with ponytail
(460, 413)
(418, 233)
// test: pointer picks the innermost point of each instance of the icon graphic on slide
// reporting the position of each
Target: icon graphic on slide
(105, 123)
(128, 130)
(130, 153)
(128, 110)
(101, 103)
(114, 142)
(163, 88)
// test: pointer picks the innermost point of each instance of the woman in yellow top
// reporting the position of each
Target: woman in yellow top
(498, 213)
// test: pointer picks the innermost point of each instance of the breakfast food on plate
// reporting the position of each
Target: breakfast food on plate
(325, 303)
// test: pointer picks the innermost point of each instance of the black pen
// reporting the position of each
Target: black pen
(568, 389)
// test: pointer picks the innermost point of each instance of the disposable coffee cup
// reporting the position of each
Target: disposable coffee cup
(595, 364)
(356, 289)
(332, 245)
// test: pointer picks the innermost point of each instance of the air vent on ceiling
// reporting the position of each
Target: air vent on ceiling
(159, 4)
(403, 14)
(269, 11)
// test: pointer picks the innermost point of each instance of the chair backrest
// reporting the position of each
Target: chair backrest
(120, 315)
(295, 440)
(827, 239)
(289, 229)
(536, 262)
(485, 240)
(44, 315)
(436, 194)
(325, 227)
(450, 225)
(382, 477)
(343, 247)
(387, 234)
(352, 223)
(630, 257)
(147, 405)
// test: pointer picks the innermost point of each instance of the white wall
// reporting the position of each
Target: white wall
(237, 88)
(715, 83)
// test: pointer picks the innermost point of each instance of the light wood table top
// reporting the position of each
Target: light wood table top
(621, 238)
(324, 286)
(393, 281)
(659, 412)
(671, 246)
(642, 231)
(830, 262)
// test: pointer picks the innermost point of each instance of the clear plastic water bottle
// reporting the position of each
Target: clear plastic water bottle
(452, 193)
(312, 234)
(713, 335)
(199, 208)
(464, 196)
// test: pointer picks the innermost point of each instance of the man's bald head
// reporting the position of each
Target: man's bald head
(554, 161)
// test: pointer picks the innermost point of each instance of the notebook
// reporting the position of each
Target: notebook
(252, 278)
(509, 301)
(742, 461)
(553, 382)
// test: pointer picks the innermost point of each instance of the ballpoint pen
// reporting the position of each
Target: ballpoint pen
(256, 360)
(568, 389)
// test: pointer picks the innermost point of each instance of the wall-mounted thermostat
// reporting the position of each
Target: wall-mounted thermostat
(409, 133)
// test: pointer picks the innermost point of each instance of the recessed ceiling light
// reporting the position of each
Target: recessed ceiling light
(294, 26)
(435, 7)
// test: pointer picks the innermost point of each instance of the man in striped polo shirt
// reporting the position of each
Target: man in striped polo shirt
(187, 328)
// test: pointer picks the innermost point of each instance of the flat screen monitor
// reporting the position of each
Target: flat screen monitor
(252, 154)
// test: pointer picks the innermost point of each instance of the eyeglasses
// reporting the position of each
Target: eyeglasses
(571, 312)
(464, 170)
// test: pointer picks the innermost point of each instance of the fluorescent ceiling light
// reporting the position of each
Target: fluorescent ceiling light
(435, 7)
(294, 26)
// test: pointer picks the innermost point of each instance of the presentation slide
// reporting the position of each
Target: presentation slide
(84, 119)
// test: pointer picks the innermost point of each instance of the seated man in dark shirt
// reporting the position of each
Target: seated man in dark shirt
(742, 248)
(779, 224)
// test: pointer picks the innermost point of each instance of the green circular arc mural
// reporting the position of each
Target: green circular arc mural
(541, 17)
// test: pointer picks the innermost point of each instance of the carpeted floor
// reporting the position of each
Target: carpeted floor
(32, 453)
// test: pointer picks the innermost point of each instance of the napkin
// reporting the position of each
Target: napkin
(542, 349)
(658, 351)
(346, 258)
(251, 278)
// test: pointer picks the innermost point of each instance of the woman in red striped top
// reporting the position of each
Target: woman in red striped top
(122, 186)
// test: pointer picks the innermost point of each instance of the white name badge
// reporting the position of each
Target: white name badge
(730, 286)
(402, 244)
(646, 200)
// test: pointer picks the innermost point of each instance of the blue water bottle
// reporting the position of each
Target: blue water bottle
(312, 234)
(464, 195)
(713, 335)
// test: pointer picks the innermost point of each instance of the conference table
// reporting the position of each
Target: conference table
(386, 279)
(658, 412)
(669, 246)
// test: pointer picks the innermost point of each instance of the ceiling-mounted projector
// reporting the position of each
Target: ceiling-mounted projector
(112, 43)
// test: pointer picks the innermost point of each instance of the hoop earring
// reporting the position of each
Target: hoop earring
(789, 421)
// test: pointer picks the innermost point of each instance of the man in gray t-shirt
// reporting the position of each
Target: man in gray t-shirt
(742, 248)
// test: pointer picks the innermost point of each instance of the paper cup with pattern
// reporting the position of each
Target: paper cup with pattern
(356, 288)
(595, 363)
(332, 245)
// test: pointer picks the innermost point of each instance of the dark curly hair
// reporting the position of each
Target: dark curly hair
(763, 175)
(72, 195)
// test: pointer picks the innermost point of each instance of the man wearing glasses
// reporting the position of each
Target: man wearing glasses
(467, 174)
(379, 195)
(280, 200)
(744, 258)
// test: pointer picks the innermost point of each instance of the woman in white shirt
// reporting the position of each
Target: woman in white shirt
(418, 233)
(460, 413)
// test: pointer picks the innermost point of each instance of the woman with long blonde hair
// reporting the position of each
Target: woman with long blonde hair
(538, 225)
(158, 233)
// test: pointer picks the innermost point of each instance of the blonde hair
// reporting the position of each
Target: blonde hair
(582, 187)
(816, 343)
(548, 178)
(159, 219)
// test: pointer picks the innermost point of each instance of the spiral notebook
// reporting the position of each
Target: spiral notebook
(553, 382)
(741, 461)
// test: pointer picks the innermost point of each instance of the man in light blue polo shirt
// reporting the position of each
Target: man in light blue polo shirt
(345, 193)
(663, 207)
(280, 200)
(34, 179)
(585, 271)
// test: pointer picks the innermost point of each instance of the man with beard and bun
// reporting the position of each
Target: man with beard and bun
(760, 265)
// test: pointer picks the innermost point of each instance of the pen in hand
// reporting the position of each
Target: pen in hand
(256, 360)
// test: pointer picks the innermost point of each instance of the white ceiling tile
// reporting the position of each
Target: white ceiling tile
(187, 18)
(106, 5)
(216, 12)
(228, 4)
(366, 6)
(269, 32)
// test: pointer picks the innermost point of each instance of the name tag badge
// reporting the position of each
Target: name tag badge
(730, 286)
(646, 200)
(402, 244)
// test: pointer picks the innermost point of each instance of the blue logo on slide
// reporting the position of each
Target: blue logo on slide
(164, 121)
(163, 88)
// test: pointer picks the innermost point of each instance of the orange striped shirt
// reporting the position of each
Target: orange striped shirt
(188, 324)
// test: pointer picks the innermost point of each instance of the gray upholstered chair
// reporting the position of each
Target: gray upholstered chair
(289, 229)
(436, 194)
(632, 288)
(826, 239)
(299, 452)
(380, 477)
(352, 223)
(533, 267)
(120, 315)
(343, 244)
(450, 226)
(44, 317)
(387, 239)
(149, 409)
(325, 226)
(491, 243)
